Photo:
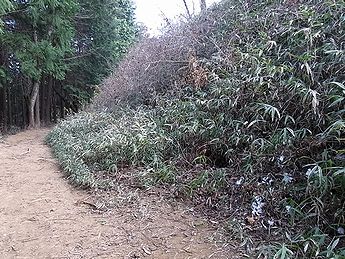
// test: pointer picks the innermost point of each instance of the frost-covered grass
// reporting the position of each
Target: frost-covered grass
(91, 142)
(284, 185)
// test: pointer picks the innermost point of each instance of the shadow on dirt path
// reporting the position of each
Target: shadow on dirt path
(42, 216)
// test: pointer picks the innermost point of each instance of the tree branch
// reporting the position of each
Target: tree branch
(187, 9)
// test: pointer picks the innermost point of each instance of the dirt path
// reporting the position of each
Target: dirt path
(42, 216)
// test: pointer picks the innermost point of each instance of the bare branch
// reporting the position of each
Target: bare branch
(203, 6)
(187, 9)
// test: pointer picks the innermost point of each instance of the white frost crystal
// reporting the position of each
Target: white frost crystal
(280, 161)
(240, 181)
(270, 222)
(288, 208)
(341, 231)
(266, 180)
(309, 172)
(257, 206)
(287, 178)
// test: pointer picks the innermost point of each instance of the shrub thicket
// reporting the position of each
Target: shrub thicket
(242, 109)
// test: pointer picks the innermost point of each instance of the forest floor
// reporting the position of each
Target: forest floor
(42, 216)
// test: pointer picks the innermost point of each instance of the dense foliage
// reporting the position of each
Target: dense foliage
(248, 120)
(45, 44)
(5, 6)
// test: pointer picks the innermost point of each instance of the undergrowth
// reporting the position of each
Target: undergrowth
(252, 128)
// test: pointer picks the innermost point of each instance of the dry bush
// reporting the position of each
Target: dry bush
(160, 64)
(191, 52)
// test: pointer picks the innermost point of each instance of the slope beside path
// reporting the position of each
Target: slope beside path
(42, 216)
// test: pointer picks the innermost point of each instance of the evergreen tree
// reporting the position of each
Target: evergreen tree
(53, 54)
(5, 6)
(105, 30)
(40, 42)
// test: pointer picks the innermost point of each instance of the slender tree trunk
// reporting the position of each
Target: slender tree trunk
(3, 109)
(37, 111)
(43, 101)
(33, 99)
(62, 103)
(9, 108)
(14, 110)
(24, 110)
(54, 104)
(49, 100)
(33, 123)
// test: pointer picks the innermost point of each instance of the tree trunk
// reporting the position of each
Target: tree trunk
(48, 101)
(62, 103)
(37, 111)
(3, 109)
(9, 108)
(24, 112)
(54, 103)
(33, 99)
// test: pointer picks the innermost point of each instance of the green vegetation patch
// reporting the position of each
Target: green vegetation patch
(260, 142)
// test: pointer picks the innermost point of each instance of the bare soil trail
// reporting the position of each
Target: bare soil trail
(42, 216)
